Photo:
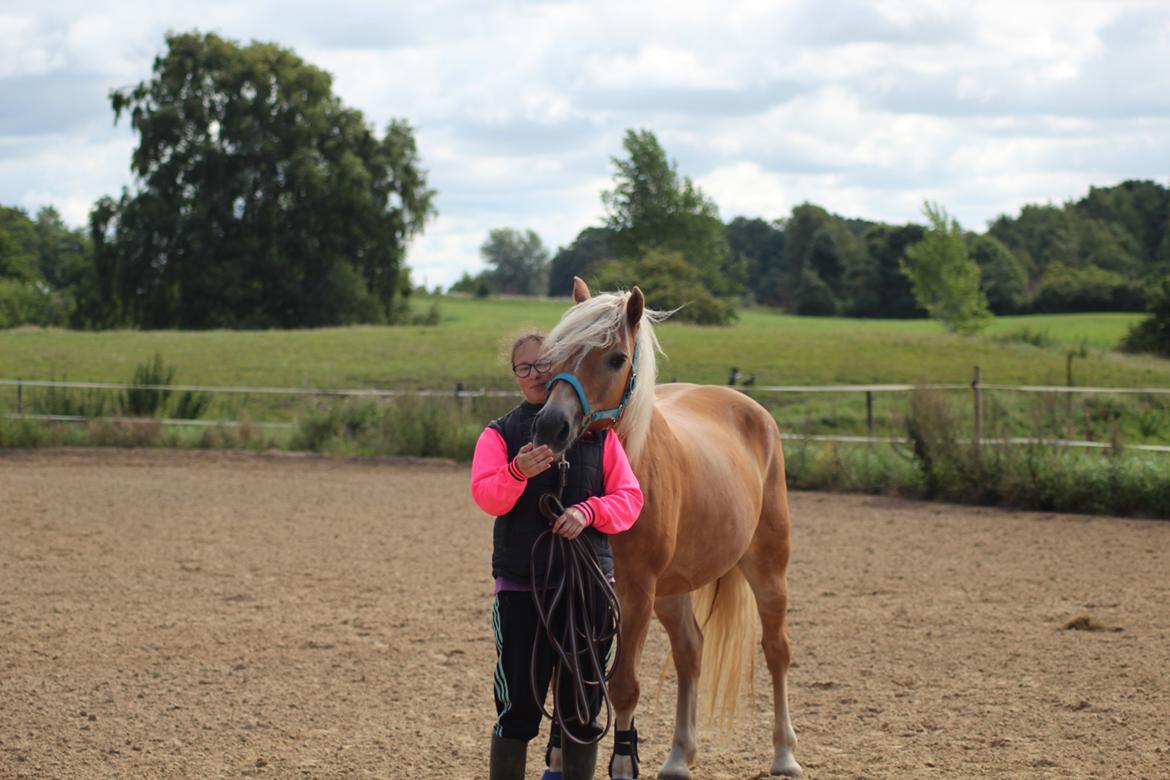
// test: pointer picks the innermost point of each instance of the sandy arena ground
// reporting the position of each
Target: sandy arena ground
(203, 615)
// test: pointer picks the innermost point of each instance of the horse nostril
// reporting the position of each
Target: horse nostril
(563, 433)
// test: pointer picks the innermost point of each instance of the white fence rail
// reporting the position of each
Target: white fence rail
(460, 392)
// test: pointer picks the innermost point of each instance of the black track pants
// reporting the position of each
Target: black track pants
(516, 624)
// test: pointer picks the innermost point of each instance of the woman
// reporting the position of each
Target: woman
(602, 497)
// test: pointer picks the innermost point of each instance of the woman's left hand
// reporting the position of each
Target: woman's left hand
(570, 524)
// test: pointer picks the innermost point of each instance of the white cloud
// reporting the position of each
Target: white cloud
(866, 108)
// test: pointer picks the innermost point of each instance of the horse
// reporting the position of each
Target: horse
(714, 522)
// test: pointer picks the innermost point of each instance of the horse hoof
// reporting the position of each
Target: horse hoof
(790, 769)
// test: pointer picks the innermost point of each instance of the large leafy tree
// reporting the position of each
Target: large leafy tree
(943, 276)
(518, 260)
(653, 206)
(260, 199)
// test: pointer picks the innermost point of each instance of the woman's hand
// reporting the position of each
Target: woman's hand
(533, 460)
(570, 524)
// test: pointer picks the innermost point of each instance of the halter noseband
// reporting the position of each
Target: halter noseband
(588, 417)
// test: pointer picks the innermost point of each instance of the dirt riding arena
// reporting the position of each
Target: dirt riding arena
(201, 615)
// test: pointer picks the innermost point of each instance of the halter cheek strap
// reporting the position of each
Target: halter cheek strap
(589, 417)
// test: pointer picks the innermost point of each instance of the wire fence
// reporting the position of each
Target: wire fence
(459, 392)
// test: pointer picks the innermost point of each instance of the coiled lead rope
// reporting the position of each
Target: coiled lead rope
(569, 594)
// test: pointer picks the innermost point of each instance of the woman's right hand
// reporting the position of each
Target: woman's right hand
(533, 460)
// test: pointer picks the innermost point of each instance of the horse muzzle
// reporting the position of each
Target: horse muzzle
(556, 427)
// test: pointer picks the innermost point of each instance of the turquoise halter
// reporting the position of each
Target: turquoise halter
(588, 417)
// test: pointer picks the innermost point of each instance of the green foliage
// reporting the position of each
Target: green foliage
(1152, 334)
(1004, 280)
(813, 297)
(879, 288)
(148, 402)
(18, 246)
(1026, 335)
(1062, 288)
(404, 427)
(759, 247)
(589, 249)
(652, 206)
(669, 282)
(30, 303)
(67, 401)
(944, 278)
(518, 261)
(261, 200)
(191, 405)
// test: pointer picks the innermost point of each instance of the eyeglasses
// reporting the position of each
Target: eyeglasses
(523, 370)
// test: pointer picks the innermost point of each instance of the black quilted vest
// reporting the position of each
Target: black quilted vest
(515, 533)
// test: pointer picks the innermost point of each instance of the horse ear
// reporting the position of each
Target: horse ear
(634, 308)
(580, 290)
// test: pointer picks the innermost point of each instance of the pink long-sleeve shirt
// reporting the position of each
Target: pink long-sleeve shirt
(496, 484)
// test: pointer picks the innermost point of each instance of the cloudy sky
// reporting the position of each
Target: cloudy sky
(866, 107)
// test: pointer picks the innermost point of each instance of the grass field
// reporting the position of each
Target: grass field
(467, 347)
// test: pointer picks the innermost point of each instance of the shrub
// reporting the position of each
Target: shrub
(142, 402)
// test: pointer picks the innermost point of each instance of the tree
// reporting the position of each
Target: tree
(260, 200)
(26, 297)
(880, 289)
(1153, 333)
(590, 248)
(1004, 280)
(651, 205)
(759, 245)
(519, 262)
(669, 282)
(943, 276)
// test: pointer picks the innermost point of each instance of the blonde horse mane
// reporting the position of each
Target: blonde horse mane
(597, 323)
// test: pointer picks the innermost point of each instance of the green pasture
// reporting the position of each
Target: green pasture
(468, 345)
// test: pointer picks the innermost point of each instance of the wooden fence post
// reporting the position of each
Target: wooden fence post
(978, 390)
(869, 412)
(19, 395)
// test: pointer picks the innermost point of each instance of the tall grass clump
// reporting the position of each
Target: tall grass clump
(428, 428)
(68, 401)
(148, 402)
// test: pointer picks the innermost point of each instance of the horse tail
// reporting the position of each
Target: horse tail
(726, 610)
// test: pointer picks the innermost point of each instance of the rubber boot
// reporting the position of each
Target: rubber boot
(578, 761)
(507, 758)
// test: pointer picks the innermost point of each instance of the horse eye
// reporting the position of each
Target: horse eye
(617, 361)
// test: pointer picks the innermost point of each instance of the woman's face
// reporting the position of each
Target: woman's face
(532, 386)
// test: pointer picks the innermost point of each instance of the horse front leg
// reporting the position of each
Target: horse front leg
(686, 646)
(637, 600)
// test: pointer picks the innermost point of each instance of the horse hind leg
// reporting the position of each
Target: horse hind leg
(765, 566)
(686, 646)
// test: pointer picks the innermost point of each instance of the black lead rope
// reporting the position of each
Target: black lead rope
(570, 591)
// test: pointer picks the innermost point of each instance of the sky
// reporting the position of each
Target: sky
(866, 108)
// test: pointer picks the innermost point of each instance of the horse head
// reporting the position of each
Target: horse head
(595, 358)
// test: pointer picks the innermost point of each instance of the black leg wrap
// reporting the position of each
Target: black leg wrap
(625, 743)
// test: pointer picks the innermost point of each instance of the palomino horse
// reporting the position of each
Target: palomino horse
(715, 514)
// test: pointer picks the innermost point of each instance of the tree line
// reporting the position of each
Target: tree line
(1104, 252)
